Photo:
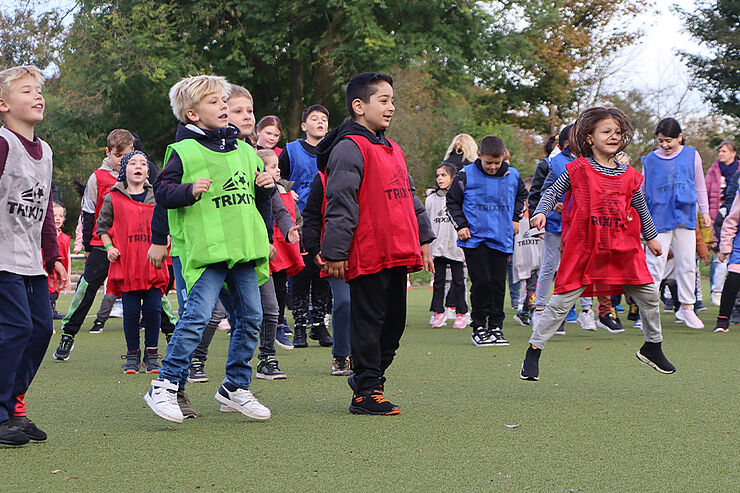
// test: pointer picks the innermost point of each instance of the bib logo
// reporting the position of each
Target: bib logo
(442, 216)
(34, 195)
(399, 186)
(141, 234)
(240, 181)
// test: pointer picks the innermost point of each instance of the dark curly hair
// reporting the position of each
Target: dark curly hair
(586, 123)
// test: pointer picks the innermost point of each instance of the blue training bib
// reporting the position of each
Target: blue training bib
(670, 190)
(302, 170)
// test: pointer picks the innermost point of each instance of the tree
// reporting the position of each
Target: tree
(716, 24)
(28, 39)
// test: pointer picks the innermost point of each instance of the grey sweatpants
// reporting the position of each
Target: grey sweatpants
(645, 295)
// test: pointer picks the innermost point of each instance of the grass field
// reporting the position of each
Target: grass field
(597, 420)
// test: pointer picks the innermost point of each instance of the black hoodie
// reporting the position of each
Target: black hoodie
(344, 165)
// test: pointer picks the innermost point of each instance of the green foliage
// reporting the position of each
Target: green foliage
(28, 39)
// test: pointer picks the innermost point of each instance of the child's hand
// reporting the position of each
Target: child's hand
(264, 180)
(201, 185)
(156, 255)
(293, 234)
(320, 263)
(516, 227)
(273, 252)
(113, 253)
(426, 258)
(294, 195)
(723, 256)
(538, 221)
(61, 273)
(654, 246)
(336, 269)
(463, 234)
(558, 208)
(707, 220)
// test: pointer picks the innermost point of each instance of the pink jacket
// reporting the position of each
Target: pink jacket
(714, 189)
(729, 231)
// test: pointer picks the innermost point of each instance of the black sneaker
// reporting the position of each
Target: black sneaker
(340, 367)
(28, 427)
(497, 337)
(66, 345)
(268, 369)
(651, 354)
(723, 324)
(634, 313)
(184, 402)
(699, 306)
(299, 338)
(531, 366)
(610, 323)
(133, 362)
(373, 402)
(57, 316)
(151, 360)
(319, 333)
(522, 316)
(97, 327)
(561, 330)
(481, 337)
(11, 435)
(197, 371)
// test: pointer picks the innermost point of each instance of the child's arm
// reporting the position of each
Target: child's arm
(170, 192)
(549, 199)
(105, 222)
(264, 187)
(519, 202)
(649, 233)
(454, 202)
(535, 190)
(426, 234)
(729, 229)
(89, 203)
(49, 245)
(158, 251)
(312, 220)
(701, 189)
(284, 222)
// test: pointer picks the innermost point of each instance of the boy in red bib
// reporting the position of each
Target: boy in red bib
(56, 285)
(601, 235)
(376, 232)
(124, 226)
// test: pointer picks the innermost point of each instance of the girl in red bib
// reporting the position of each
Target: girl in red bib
(124, 225)
(602, 252)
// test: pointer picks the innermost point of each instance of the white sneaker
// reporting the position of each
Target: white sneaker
(117, 310)
(586, 320)
(162, 398)
(243, 401)
(450, 313)
(226, 409)
(688, 317)
(716, 298)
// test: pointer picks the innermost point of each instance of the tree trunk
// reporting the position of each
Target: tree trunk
(295, 101)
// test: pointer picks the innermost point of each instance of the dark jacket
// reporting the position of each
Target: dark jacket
(535, 189)
(457, 192)
(313, 220)
(344, 165)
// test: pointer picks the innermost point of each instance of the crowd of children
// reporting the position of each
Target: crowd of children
(330, 226)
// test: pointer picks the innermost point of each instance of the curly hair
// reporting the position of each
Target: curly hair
(586, 123)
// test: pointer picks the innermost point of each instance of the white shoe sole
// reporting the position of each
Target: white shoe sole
(284, 346)
(680, 318)
(158, 412)
(482, 344)
(262, 376)
(646, 361)
(231, 404)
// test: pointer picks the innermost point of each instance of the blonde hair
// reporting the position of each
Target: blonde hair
(187, 93)
(240, 92)
(8, 76)
(267, 156)
(463, 144)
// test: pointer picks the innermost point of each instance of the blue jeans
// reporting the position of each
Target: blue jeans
(247, 316)
(180, 289)
(340, 317)
(147, 306)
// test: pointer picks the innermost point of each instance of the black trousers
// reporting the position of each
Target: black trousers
(378, 318)
(96, 270)
(456, 294)
(280, 279)
(487, 270)
(311, 295)
(729, 294)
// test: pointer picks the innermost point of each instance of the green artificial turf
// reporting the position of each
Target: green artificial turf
(597, 420)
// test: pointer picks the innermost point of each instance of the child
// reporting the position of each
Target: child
(526, 260)
(729, 246)
(602, 250)
(124, 225)
(28, 229)
(311, 293)
(269, 130)
(119, 143)
(241, 113)
(445, 252)
(213, 185)
(486, 202)
(674, 183)
(63, 240)
(374, 228)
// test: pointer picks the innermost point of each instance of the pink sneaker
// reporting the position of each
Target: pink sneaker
(461, 320)
(688, 316)
(438, 320)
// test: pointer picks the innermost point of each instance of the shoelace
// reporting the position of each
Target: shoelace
(378, 397)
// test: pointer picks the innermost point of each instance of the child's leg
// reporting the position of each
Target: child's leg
(301, 296)
(280, 281)
(605, 305)
(684, 251)
(269, 319)
(729, 294)
(497, 262)
(440, 277)
(96, 270)
(531, 292)
(451, 291)
(657, 265)
(180, 287)
(553, 315)
(131, 316)
(458, 285)
(151, 308)
(550, 263)
(167, 318)
(106, 306)
(320, 296)
(647, 299)
(480, 285)
(218, 314)
(395, 317)
(515, 288)
(244, 289)
(340, 318)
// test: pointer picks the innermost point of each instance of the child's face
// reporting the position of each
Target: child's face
(606, 139)
(316, 125)
(491, 164)
(726, 155)
(59, 216)
(268, 137)
(24, 102)
(211, 112)
(376, 114)
(271, 166)
(115, 155)
(444, 180)
(670, 145)
(241, 114)
(137, 170)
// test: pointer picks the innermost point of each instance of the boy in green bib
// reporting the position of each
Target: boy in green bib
(211, 186)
